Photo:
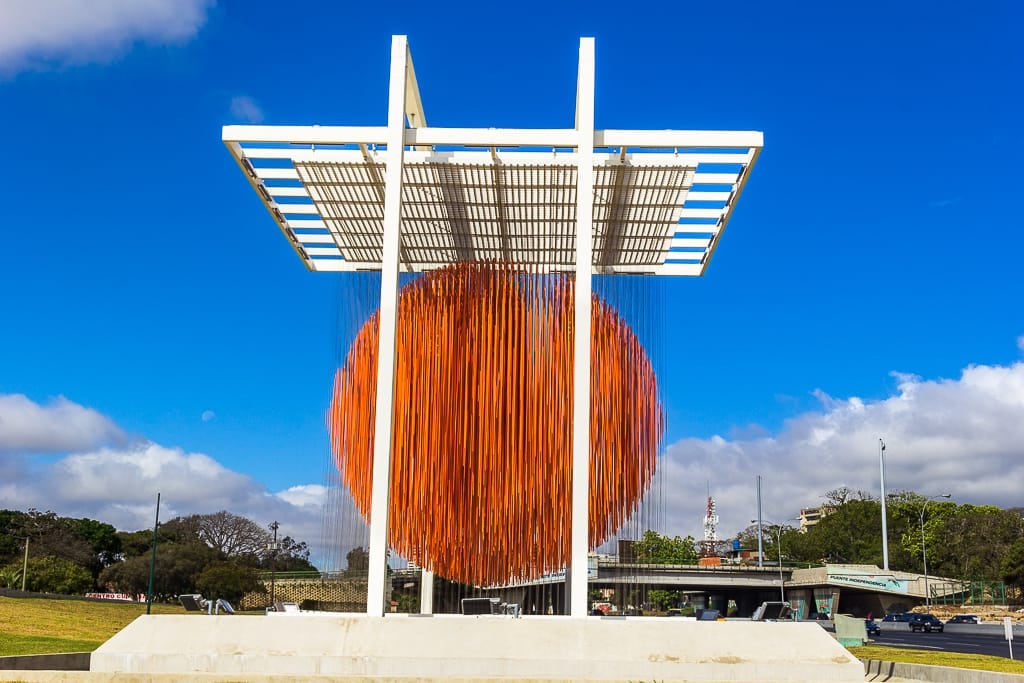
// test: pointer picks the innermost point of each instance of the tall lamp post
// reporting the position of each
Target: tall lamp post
(924, 549)
(885, 530)
(777, 528)
(273, 562)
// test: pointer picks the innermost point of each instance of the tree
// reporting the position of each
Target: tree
(653, 548)
(229, 581)
(104, 543)
(178, 564)
(291, 556)
(85, 542)
(1012, 566)
(12, 534)
(10, 576)
(849, 534)
(52, 574)
(663, 599)
(128, 576)
(232, 535)
(968, 542)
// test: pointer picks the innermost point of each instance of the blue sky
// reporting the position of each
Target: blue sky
(157, 328)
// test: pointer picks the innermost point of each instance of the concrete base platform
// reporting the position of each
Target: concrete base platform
(350, 647)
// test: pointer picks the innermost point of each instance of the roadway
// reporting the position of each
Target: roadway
(971, 643)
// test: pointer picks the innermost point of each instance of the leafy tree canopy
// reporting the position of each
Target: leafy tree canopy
(653, 548)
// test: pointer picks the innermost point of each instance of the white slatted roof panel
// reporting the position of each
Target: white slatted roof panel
(657, 210)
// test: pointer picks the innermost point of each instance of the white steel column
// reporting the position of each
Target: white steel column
(426, 591)
(581, 341)
(383, 433)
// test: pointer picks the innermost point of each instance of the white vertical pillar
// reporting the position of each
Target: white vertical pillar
(382, 435)
(581, 342)
(426, 591)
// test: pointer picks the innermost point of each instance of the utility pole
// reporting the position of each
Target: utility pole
(152, 559)
(273, 562)
(24, 568)
(760, 528)
(885, 530)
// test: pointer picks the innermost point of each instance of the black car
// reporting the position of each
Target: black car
(872, 627)
(964, 619)
(924, 622)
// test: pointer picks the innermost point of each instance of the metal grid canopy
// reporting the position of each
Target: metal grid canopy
(661, 199)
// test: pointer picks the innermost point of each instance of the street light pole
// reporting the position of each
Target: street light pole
(924, 549)
(885, 530)
(778, 548)
(273, 562)
(760, 532)
(152, 558)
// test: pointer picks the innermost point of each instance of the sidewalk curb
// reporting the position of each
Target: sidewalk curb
(878, 670)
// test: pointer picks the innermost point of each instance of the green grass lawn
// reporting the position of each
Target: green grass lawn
(957, 659)
(35, 626)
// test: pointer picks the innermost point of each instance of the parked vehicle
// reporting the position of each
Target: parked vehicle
(872, 627)
(896, 616)
(925, 622)
(965, 619)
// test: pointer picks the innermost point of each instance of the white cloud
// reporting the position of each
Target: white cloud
(245, 108)
(963, 436)
(208, 415)
(104, 476)
(1020, 342)
(60, 425)
(36, 32)
(305, 495)
(119, 486)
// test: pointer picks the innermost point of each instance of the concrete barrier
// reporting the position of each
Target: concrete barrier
(477, 648)
(877, 670)
(64, 661)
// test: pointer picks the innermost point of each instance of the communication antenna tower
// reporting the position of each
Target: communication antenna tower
(710, 527)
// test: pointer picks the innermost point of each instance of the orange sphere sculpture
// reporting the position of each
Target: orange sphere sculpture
(481, 472)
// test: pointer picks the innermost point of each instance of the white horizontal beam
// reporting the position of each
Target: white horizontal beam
(305, 223)
(689, 243)
(313, 252)
(708, 196)
(488, 157)
(683, 269)
(688, 269)
(319, 238)
(701, 213)
(307, 135)
(286, 191)
(692, 139)
(715, 178)
(296, 209)
(494, 137)
(336, 266)
(276, 173)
